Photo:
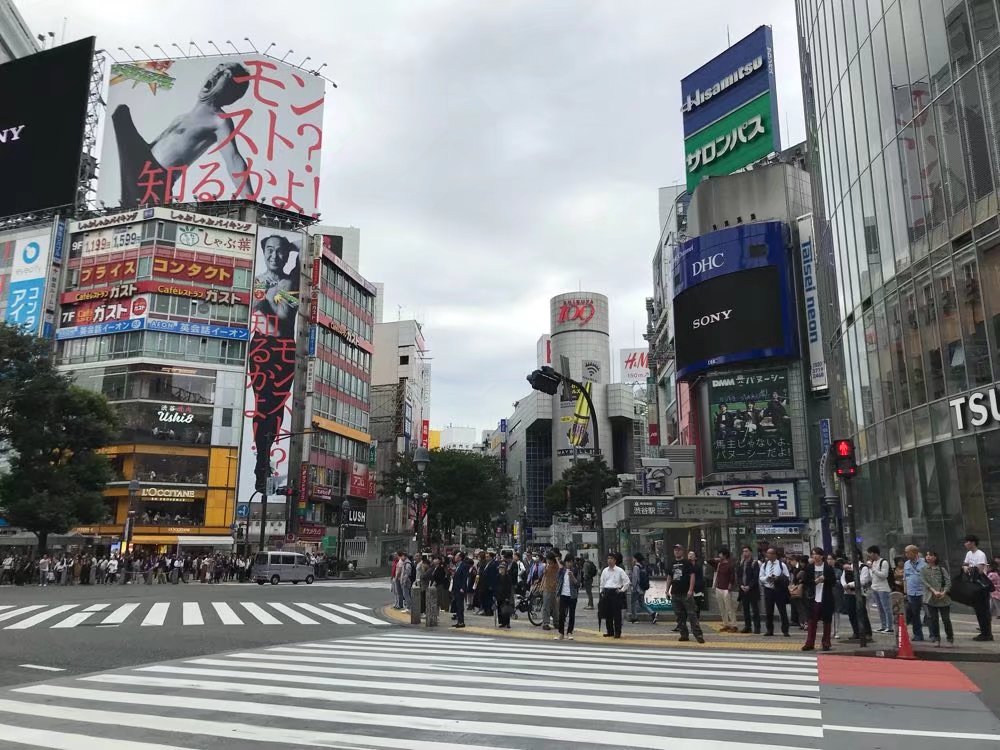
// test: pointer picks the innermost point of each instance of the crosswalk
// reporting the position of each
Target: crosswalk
(191, 614)
(395, 689)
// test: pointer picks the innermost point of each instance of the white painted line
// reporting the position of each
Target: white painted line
(909, 732)
(451, 669)
(6, 606)
(21, 611)
(263, 616)
(226, 614)
(299, 618)
(324, 614)
(39, 666)
(273, 736)
(192, 614)
(362, 607)
(120, 615)
(465, 727)
(157, 614)
(96, 607)
(355, 614)
(78, 617)
(389, 684)
(37, 738)
(40, 617)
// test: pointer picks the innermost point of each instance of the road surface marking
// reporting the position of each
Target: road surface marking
(353, 613)
(324, 614)
(20, 611)
(226, 614)
(44, 669)
(299, 618)
(76, 618)
(41, 617)
(119, 615)
(68, 741)
(192, 614)
(157, 614)
(262, 615)
(910, 732)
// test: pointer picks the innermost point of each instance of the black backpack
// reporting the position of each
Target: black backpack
(643, 578)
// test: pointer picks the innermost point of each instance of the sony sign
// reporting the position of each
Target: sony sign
(11, 134)
(818, 380)
(982, 406)
(698, 97)
(716, 317)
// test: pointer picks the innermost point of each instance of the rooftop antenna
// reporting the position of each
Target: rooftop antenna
(197, 48)
(269, 47)
(287, 54)
(729, 42)
(247, 40)
(216, 46)
(62, 39)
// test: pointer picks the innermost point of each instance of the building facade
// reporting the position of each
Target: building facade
(902, 106)
(15, 37)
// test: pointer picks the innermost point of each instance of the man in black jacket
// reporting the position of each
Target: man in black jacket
(818, 580)
(459, 587)
(749, 580)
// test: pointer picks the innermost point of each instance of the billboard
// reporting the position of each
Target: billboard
(574, 414)
(750, 425)
(210, 129)
(733, 298)
(818, 380)
(579, 311)
(41, 132)
(30, 267)
(270, 358)
(729, 108)
(635, 366)
(425, 433)
(782, 494)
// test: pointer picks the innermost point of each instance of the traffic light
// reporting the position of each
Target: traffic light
(546, 380)
(845, 463)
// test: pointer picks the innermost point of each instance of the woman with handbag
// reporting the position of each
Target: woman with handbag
(797, 593)
(937, 584)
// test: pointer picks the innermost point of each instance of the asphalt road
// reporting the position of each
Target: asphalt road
(51, 630)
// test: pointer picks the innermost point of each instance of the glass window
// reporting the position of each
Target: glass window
(949, 328)
(161, 303)
(884, 368)
(898, 207)
(913, 32)
(922, 425)
(144, 269)
(898, 73)
(241, 278)
(869, 241)
(887, 114)
(874, 11)
(990, 72)
(977, 151)
(973, 320)
(983, 15)
(941, 419)
(868, 104)
(951, 170)
(171, 468)
(916, 371)
(959, 36)
(838, 34)
(874, 405)
(936, 42)
(912, 195)
(981, 501)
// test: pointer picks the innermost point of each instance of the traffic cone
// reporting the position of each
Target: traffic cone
(904, 649)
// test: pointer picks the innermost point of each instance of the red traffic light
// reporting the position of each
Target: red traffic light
(845, 464)
(843, 448)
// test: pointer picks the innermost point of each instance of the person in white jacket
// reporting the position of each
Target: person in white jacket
(881, 570)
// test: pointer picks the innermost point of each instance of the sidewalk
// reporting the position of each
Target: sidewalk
(660, 635)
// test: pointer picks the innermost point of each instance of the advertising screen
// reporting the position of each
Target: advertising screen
(635, 366)
(41, 132)
(271, 357)
(750, 421)
(213, 128)
(729, 109)
(30, 266)
(732, 300)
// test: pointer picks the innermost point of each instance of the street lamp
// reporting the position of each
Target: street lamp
(134, 487)
(345, 509)
(421, 457)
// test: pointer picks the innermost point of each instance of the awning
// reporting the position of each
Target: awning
(205, 541)
(154, 539)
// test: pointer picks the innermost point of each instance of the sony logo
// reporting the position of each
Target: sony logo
(11, 134)
(707, 264)
(715, 317)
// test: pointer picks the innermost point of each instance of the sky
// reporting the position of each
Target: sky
(493, 154)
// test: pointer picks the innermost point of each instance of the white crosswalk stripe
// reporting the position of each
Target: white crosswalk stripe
(361, 694)
(187, 614)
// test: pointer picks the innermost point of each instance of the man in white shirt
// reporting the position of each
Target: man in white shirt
(774, 580)
(614, 584)
(975, 562)
(881, 590)
(7, 576)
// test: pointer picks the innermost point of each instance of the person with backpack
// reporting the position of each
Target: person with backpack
(881, 571)
(589, 573)
(639, 582)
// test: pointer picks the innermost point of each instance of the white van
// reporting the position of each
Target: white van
(282, 566)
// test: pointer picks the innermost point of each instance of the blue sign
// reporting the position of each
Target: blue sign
(312, 341)
(100, 329)
(731, 79)
(729, 250)
(503, 426)
(168, 326)
(243, 511)
(824, 436)
(57, 248)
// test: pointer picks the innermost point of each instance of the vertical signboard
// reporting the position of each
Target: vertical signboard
(635, 366)
(30, 266)
(814, 325)
(271, 358)
(210, 129)
(750, 423)
(729, 108)
(574, 414)
(425, 433)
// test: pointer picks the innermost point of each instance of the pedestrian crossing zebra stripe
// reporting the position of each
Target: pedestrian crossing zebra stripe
(192, 614)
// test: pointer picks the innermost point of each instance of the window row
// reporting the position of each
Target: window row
(333, 276)
(198, 310)
(127, 382)
(339, 411)
(338, 446)
(338, 312)
(329, 341)
(151, 344)
(335, 377)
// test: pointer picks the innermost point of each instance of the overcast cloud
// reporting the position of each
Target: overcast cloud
(494, 154)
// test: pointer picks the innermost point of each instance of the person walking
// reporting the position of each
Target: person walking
(975, 563)
(613, 585)
(639, 585)
(549, 586)
(725, 580)
(774, 579)
(589, 571)
(937, 584)
(749, 583)
(568, 586)
(681, 588)
(881, 571)
(459, 588)
(819, 578)
(914, 590)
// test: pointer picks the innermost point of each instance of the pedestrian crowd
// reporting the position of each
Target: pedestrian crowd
(92, 569)
(773, 592)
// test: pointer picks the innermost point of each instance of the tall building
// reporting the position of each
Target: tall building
(15, 37)
(902, 101)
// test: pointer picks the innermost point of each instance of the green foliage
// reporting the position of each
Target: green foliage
(51, 432)
(585, 482)
(464, 488)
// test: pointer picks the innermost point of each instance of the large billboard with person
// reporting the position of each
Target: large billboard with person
(750, 423)
(212, 129)
(274, 306)
(44, 107)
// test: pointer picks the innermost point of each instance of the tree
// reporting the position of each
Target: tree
(464, 488)
(581, 487)
(52, 431)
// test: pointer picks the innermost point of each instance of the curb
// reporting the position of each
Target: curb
(593, 636)
(942, 654)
